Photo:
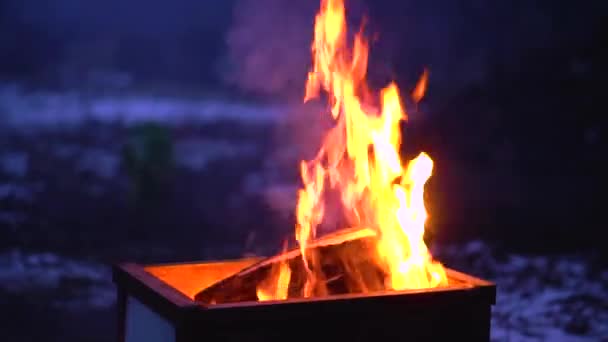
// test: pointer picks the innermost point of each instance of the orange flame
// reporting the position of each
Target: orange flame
(276, 286)
(420, 89)
(360, 158)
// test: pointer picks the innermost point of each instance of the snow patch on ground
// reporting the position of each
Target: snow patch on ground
(539, 298)
(101, 162)
(14, 164)
(66, 151)
(192, 153)
(195, 154)
(88, 284)
(68, 109)
(16, 191)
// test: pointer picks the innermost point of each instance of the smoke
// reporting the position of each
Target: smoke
(269, 54)
(268, 46)
(268, 43)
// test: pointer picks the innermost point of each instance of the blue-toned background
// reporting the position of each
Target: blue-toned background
(157, 131)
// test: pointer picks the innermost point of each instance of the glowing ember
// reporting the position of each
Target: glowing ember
(359, 158)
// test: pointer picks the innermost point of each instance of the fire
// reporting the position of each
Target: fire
(359, 158)
(276, 286)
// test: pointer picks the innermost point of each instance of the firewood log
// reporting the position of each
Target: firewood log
(344, 264)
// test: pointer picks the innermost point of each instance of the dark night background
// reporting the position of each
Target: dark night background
(156, 131)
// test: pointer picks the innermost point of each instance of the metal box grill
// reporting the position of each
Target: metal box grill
(155, 304)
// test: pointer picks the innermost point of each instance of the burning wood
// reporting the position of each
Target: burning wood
(341, 259)
(382, 197)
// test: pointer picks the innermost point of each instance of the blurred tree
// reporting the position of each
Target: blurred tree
(148, 158)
